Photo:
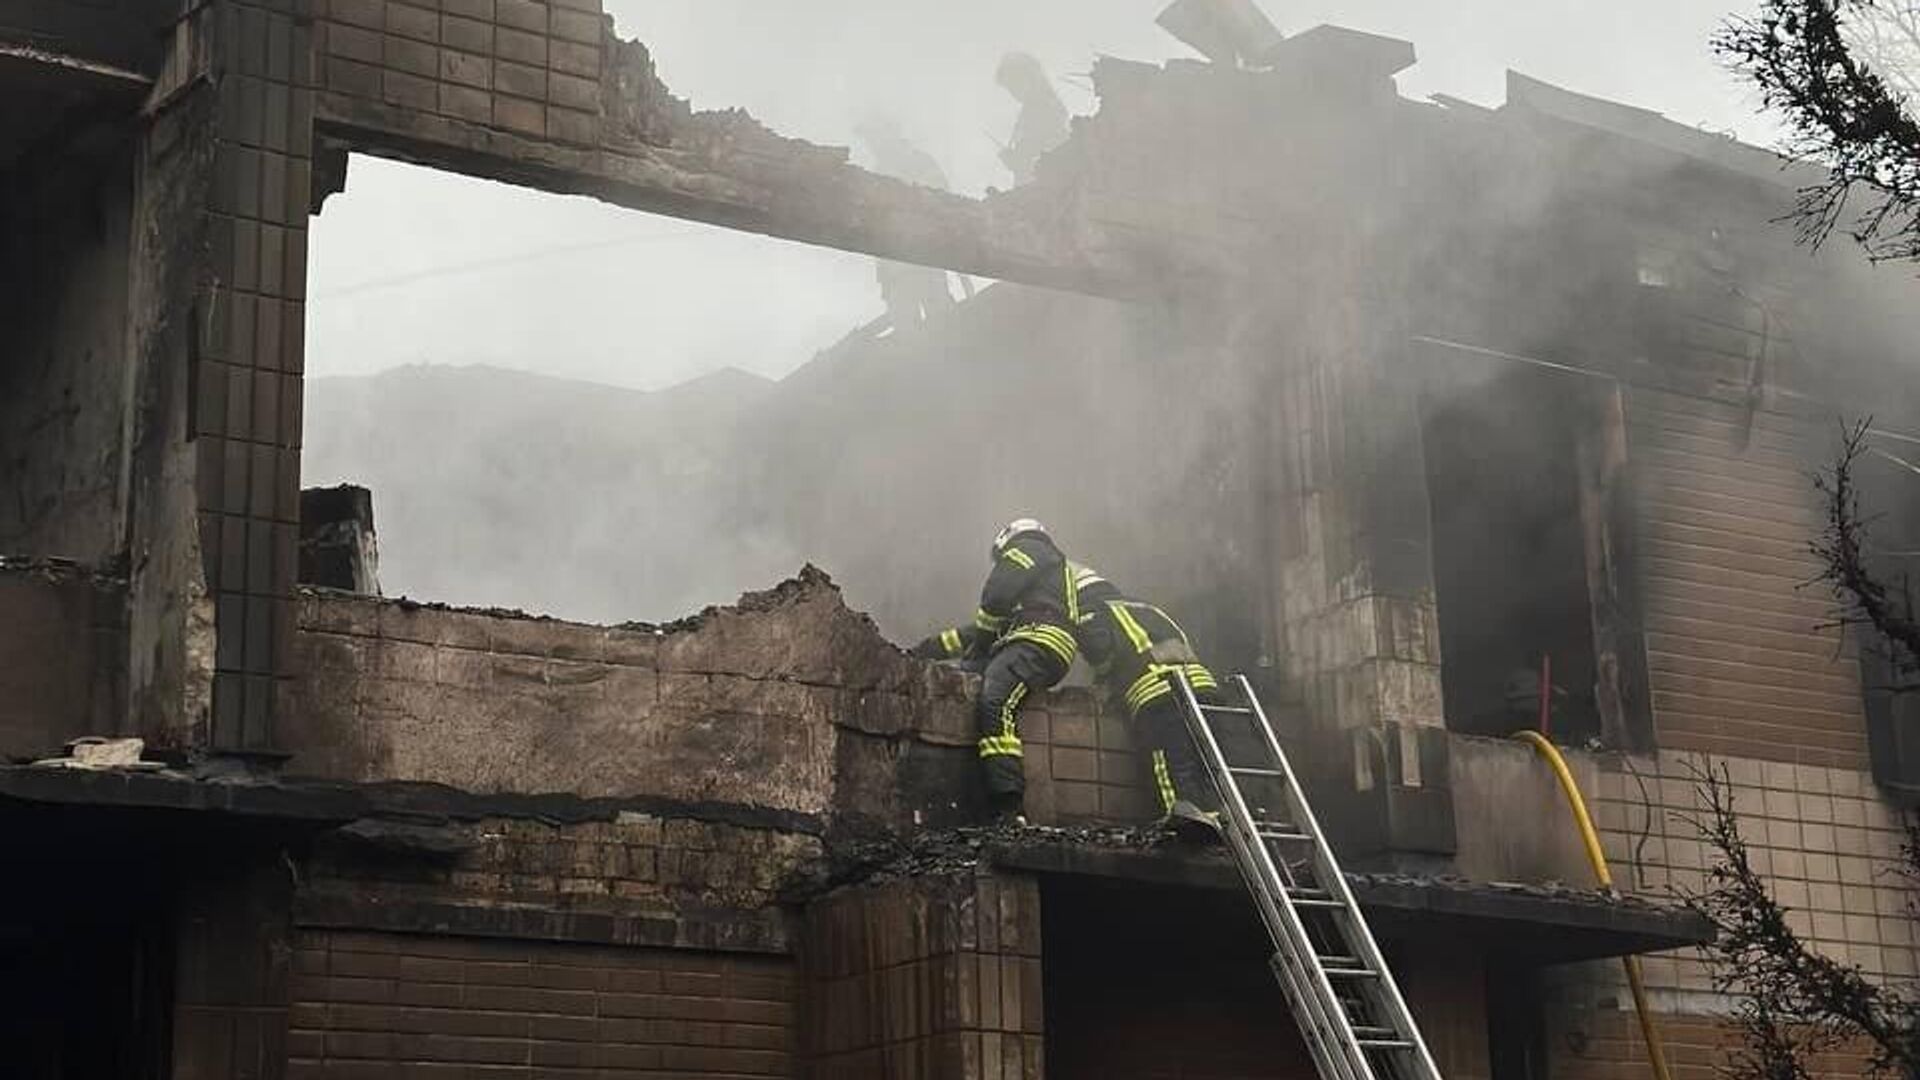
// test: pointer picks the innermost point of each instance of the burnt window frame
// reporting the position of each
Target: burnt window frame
(1605, 494)
(1889, 678)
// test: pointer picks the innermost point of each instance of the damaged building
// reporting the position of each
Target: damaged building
(1440, 393)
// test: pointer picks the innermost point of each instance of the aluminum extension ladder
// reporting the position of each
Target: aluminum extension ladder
(1349, 1009)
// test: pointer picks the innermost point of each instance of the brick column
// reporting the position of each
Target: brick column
(247, 413)
(218, 309)
(930, 977)
(1353, 596)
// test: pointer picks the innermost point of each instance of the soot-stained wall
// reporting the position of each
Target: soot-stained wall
(62, 650)
(786, 702)
(63, 356)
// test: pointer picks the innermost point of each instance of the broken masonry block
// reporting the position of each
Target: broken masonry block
(338, 549)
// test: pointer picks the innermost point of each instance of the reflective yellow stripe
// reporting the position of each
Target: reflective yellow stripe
(997, 746)
(1145, 695)
(1007, 742)
(1072, 593)
(950, 641)
(1149, 687)
(1163, 782)
(1051, 638)
(1134, 631)
(1019, 558)
(1041, 632)
(1158, 683)
(1142, 684)
(989, 622)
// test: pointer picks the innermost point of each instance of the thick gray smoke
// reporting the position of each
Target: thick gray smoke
(1156, 438)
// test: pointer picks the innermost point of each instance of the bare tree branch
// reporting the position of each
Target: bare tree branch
(1841, 113)
(1841, 548)
(1794, 1001)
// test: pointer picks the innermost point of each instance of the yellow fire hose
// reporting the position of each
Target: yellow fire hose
(1598, 858)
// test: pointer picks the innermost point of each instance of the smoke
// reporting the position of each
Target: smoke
(1192, 448)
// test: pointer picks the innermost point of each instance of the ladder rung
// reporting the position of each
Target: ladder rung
(1282, 834)
(1334, 972)
(1344, 965)
(1347, 996)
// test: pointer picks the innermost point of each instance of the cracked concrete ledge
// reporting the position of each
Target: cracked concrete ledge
(1562, 922)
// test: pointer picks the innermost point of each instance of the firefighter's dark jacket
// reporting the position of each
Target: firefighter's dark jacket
(1134, 647)
(1029, 596)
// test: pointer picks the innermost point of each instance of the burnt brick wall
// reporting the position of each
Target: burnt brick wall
(62, 657)
(756, 704)
(635, 879)
(539, 948)
(926, 978)
(787, 701)
(385, 1004)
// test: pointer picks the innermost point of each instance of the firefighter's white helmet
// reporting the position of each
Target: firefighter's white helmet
(1014, 528)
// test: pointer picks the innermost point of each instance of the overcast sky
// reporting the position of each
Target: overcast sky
(413, 266)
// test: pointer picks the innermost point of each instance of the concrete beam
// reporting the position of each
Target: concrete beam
(801, 198)
(566, 106)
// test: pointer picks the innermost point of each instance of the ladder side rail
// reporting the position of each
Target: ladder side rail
(1320, 1041)
(1322, 1026)
(1369, 951)
(1256, 857)
(1320, 1029)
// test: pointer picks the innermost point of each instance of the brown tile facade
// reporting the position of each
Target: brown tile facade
(935, 978)
(1744, 658)
(246, 372)
(1608, 1046)
(1822, 836)
(530, 67)
(376, 1004)
(1083, 764)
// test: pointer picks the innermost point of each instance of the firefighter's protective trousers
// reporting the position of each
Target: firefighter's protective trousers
(1025, 629)
(1137, 650)
(1017, 670)
(1177, 771)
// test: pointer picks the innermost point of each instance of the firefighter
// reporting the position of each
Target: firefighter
(912, 294)
(1024, 632)
(1136, 649)
(1042, 124)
